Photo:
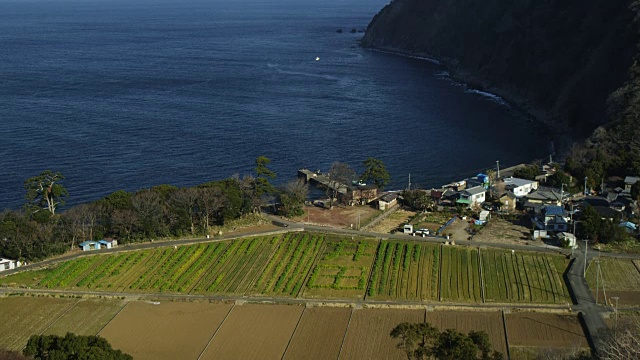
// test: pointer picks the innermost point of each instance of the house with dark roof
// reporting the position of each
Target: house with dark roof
(387, 201)
(541, 197)
(552, 218)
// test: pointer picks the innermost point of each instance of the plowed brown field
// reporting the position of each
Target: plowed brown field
(545, 330)
(465, 321)
(319, 334)
(26, 316)
(368, 334)
(170, 330)
(86, 317)
(254, 332)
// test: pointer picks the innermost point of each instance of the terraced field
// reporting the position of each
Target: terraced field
(460, 275)
(522, 277)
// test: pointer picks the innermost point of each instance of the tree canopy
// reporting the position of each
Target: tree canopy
(72, 347)
(375, 171)
(423, 341)
(45, 191)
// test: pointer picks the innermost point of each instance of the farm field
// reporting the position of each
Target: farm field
(460, 275)
(405, 271)
(86, 317)
(524, 277)
(170, 330)
(466, 321)
(319, 334)
(23, 316)
(342, 269)
(621, 279)
(255, 332)
(368, 333)
(540, 330)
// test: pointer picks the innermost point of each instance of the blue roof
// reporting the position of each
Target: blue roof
(88, 242)
(553, 210)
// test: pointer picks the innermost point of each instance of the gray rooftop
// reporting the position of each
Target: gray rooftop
(631, 180)
(516, 182)
(476, 190)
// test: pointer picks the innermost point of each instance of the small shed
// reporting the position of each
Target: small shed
(569, 238)
(89, 245)
(8, 264)
(387, 201)
(484, 215)
(408, 229)
(108, 243)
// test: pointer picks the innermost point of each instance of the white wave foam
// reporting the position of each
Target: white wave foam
(488, 95)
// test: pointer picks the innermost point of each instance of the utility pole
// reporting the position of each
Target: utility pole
(597, 280)
(616, 311)
(409, 186)
(585, 186)
(562, 193)
(498, 166)
(586, 247)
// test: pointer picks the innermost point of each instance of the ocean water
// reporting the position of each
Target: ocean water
(131, 94)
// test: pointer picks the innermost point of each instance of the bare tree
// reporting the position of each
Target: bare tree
(292, 197)
(340, 177)
(187, 199)
(210, 201)
(622, 342)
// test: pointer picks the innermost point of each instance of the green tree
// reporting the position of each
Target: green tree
(45, 191)
(375, 171)
(528, 172)
(423, 341)
(263, 185)
(635, 191)
(72, 347)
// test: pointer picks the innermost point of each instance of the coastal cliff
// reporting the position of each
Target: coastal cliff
(569, 63)
(561, 57)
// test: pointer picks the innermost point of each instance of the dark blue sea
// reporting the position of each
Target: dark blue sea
(131, 94)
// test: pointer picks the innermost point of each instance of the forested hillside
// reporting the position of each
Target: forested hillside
(570, 63)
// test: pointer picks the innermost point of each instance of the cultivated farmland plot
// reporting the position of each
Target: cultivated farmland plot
(319, 334)
(26, 316)
(342, 268)
(460, 275)
(466, 321)
(621, 278)
(86, 317)
(405, 270)
(171, 330)
(526, 330)
(254, 332)
(524, 277)
(368, 334)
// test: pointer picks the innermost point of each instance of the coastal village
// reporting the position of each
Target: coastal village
(549, 213)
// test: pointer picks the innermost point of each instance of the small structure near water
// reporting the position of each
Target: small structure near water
(99, 244)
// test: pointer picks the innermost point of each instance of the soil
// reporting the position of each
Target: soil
(625, 298)
(345, 217)
(171, 330)
(545, 330)
(466, 321)
(368, 333)
(26, 316)
(505, 232)
(319, 334)
(254, 332)
(86, 317)
(393, 221)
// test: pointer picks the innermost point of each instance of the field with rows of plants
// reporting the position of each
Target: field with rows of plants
(405, 270)
(342, 268)
(460, 275)
(524, 277)
(314, 265)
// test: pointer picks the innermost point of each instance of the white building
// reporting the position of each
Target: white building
(520, 187)
(8, 264)
(474, 195)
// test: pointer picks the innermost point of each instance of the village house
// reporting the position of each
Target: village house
(8, 264)
(358, 194)
(552, 218)
(520, 187)
(387, 201)
(507, 201)
(541, 197)
(473, 196)
(629, 181)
